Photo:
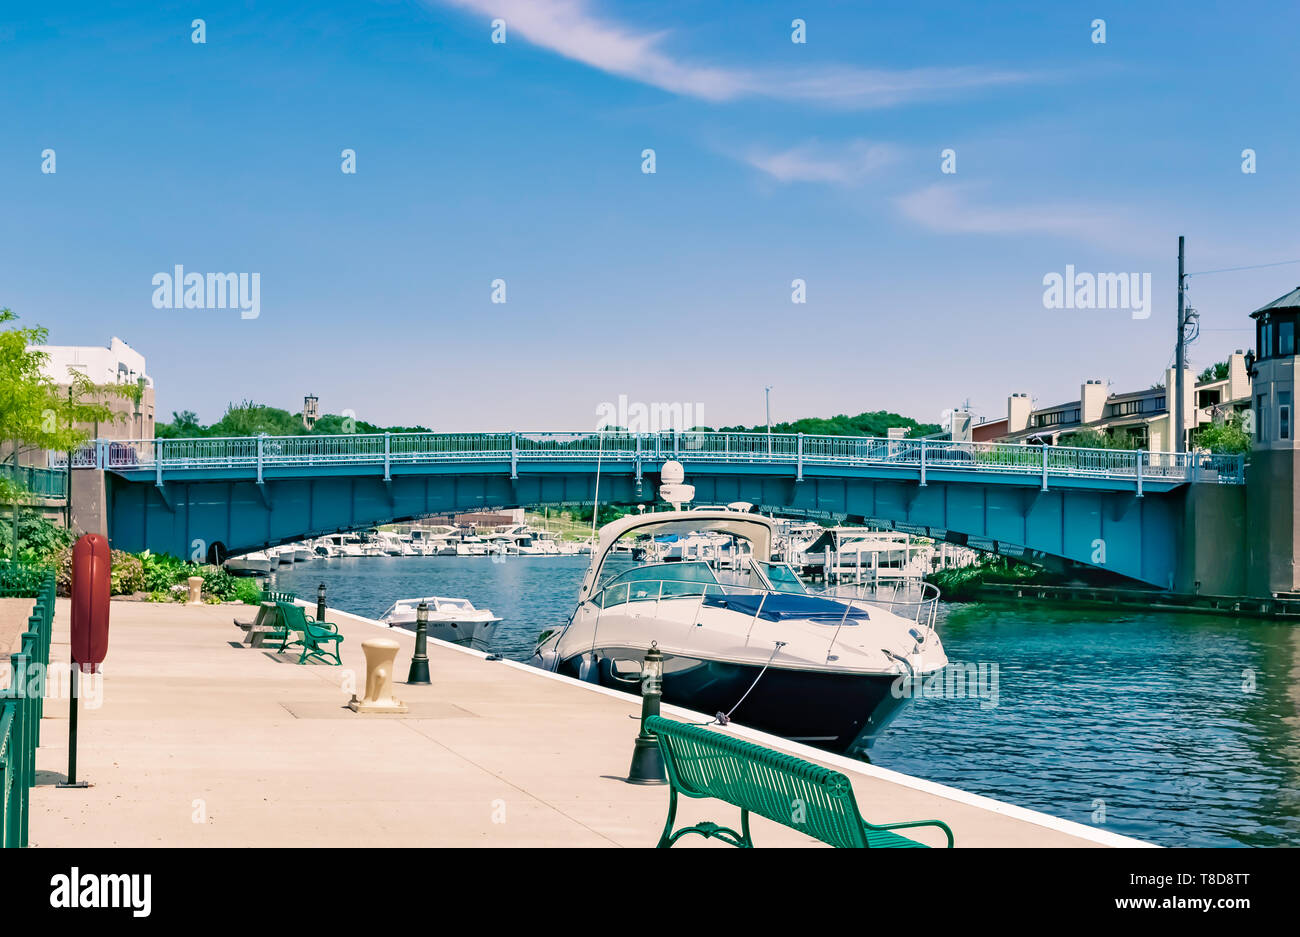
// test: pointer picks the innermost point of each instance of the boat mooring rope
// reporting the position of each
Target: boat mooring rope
(723, 719)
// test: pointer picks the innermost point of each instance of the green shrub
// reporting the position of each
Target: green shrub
(962, 584)
(21, 581)
(162, 571)
(247, 591)
(216, 581)
(126, 573)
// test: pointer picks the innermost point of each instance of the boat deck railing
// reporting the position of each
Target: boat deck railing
(790, 449)
(615, 594)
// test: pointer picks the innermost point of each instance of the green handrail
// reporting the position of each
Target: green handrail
(40, 482)
(21, 708)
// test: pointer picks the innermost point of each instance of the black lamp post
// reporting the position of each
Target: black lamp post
(320, 602)
(647, 761)
(420, 659)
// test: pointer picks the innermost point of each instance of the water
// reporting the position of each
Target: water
(1141, 723)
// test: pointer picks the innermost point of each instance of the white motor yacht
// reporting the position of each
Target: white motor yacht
(753, 643)
(257, 563)
(450, 619)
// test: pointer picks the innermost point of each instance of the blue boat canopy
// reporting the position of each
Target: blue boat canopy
(781, 606)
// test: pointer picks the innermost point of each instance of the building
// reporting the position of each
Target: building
(1274, 540)
(310, 411)
(1139, 419)
(118, 363)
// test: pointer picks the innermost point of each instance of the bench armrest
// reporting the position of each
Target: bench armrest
(914, 823)
(327, 625)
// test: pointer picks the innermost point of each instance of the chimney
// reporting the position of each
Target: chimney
(960, 427)
(1018, 407)
(1238, 379)
(1092, 401)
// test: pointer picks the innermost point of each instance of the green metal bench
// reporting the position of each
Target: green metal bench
(319, 640)
(787, 790)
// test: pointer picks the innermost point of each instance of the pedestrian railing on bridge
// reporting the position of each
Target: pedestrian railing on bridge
(39, 482)
(792, 449)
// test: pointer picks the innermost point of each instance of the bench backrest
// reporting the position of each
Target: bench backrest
(268, 596)
(293, 617)
(788, 790)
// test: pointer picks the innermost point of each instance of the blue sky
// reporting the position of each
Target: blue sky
(522, 161)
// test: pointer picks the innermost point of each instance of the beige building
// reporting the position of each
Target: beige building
(1141, 417)
(116, 363)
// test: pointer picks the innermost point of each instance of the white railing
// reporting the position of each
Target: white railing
(917, 457)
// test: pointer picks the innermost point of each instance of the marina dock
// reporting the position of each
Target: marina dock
(201, 741)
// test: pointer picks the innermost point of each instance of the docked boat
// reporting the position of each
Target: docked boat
(257, 563)
(450, 619)
(302, 552)
(753, 643)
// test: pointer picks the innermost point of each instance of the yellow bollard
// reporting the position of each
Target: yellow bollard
(196, 590)
(381, 654)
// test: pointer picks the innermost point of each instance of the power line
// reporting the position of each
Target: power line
(1280, 263)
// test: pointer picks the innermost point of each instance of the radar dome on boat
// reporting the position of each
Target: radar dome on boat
(672, 490)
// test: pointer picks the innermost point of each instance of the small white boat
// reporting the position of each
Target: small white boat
(256, 563)
(450, 619)
(301, 551)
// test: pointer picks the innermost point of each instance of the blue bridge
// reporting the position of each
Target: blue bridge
(1134, 513)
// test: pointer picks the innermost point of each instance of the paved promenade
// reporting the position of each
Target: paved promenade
(201, 743)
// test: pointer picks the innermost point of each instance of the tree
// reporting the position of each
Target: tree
(35, 413)
(1215, 372)
(184, 425)
(1228, 437)
(1095, 439)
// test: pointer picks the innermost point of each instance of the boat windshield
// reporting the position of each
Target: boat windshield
(782, 577)
(659, 580)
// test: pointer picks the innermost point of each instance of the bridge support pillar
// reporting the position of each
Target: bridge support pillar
(1272, 534)
(1211, 560)
(89, 502)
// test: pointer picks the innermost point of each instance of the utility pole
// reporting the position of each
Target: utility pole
(1177, 417)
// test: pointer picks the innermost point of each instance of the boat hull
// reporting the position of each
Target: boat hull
(839, 712)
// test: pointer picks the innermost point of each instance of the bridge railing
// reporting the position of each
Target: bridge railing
(39, 482)
(614, 446)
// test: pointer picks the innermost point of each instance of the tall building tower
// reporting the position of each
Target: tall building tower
(310, 411)
(1273, 534)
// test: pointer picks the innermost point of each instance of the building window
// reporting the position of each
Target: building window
(1286, 337)
(1259, 416)
(1284, 414)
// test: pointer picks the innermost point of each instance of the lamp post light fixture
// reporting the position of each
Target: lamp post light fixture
(320, 602)
(419, 673)
(647, 760)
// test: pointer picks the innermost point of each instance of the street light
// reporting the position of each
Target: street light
(320, 602)
(767, 402)
(647, 760)
(419, 673)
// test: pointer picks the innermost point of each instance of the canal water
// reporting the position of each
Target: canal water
(1183, 730)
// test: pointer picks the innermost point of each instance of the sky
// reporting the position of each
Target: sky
(523, 161)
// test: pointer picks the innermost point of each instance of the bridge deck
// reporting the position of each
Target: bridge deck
(199, 743)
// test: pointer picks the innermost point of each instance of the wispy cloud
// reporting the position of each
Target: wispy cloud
(844, 164)
(951, 208)
(571, 29)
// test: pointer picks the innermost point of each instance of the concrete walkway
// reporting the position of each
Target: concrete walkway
(202, 743)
